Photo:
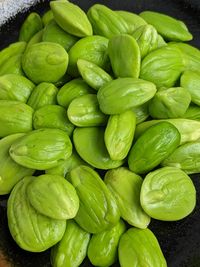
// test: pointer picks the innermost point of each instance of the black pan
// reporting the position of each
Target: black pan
(180, 241)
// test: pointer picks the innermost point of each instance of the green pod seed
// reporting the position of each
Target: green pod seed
(52, 116)
(147, 39)
(192, 113)
(124, 54)
(190, 54)
(132, 20)
(153, 146)
(106, 22)
(72, 90)
(185, 157)
(31, 230)
(92, 48)
(163, 66)
(168, 194)
(43, 94)
(47, 17)
(122, 94)
(53, 196)
(15, 87)
(190, 80)
(118, 139)
(37, 38)
(15, 117)
(32, 25)
(72, 248)
(54, 146)
(45, 62)
(12, 66)
(64, 168)
(169, 103)
(84, 111)
(93, 152)
(53, 33)
(92, 74)
(71, 18)
(142, 248)
(98, 210)
(141, 112)
(102, 249)
(125, 187)
(169, 27)
(11, 54)
(188, 129)
(10, 172)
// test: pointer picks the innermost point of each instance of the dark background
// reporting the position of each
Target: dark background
(180, 241)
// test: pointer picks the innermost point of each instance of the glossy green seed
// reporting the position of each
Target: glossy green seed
(84, 111)
(168, 194)
(124, 54)
(125, 187)
(71, 18)
(92, 74)
(54, 147)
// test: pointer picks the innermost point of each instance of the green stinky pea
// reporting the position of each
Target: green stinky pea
(188, 129)
(153, 146)
(71, 90)
(53, 196)
(72, 248)
(190, 54)
(141, 112)
(118, 138)
(93, 152)
(169, 27)
(141, 248)
(185, 157)
(15, 87)
(106, 22)
(47, 17)
(67, 165)
(10, 171)
(31, 230)
(169, 103)
(98, 209)
(91, 48)
(102, 249)
(71, 18)
(125, 187)
(124, 54)
(84, 111)
(168, 194)
(192, 113)
(93, 75)
(52, 116)
(122, 94)
(132, 20)
(53, 33)
(10, 59)
(54, 146)
(147, 39)
(37, 38)
(15, 117)
(45, 62)
(163, 66)
(32, 25)
(190, 80)
(43, 94)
